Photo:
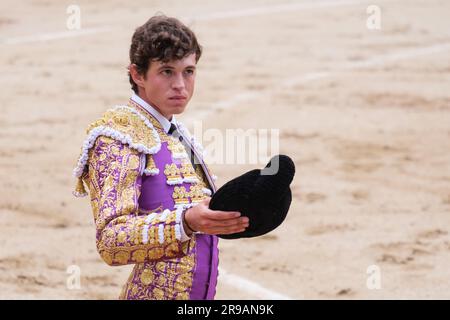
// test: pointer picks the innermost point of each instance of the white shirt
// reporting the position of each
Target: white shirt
(166, 126)
(161, 119)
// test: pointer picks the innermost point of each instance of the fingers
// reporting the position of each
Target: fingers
(217, 221)
(238, 222)
(228, 226)
(218, 214)
(228, 230)
(222, 215)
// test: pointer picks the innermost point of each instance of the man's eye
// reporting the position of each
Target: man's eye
(167, 72)
(190, 71)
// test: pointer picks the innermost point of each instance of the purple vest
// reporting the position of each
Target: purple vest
(167, 188)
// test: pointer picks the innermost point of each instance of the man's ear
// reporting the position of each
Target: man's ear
(136, 76)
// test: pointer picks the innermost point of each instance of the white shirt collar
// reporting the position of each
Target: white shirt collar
(161, 119)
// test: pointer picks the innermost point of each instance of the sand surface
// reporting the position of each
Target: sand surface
(365, 115)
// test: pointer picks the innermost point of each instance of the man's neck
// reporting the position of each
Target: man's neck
(165, 123)
(143, 97)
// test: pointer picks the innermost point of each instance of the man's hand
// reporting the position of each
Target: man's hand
(201, 218)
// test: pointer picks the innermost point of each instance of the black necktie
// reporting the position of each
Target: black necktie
(174, 132)
(172, 128)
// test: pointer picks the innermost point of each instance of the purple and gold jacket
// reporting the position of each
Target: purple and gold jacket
(140, 180)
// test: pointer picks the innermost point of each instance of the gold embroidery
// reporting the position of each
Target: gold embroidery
(196, 193)
(172, 279)
(188, 172)
(171, 218)
(109, 233)
(147, 212)
(172, 250)
(114, 194)
(121, 219)
(169, 234)
(152, 236)
(133, 162)
(122, 257)
(180, 196)
(121, 237)
(158, 293)
(156, 253)
(160, 266)
(182, 296)
(151, 166)
(124, 121)
(161, 280)
(95, 208)
(147, 277)
(115, 151)
(139, 255)
(172, 173)
(179, 286)
(145, 113)
(201, 175)
(121, 120)
(137, 236)
(134, 289)
(176, 147)
(107, 257)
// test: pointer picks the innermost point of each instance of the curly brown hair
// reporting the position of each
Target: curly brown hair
(163, 39)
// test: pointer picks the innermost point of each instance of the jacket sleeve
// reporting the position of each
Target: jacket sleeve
(123, 235)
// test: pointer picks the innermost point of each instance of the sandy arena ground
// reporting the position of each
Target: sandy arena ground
(364, 113)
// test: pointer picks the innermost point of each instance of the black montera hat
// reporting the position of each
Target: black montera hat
(263, 196)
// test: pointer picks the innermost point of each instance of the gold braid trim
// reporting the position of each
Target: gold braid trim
(122, 123)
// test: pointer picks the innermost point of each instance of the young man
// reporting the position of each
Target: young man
(149, 186)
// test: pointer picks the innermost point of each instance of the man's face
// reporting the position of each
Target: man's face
(168, 87)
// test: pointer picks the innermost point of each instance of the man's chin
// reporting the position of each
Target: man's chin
(177, 109)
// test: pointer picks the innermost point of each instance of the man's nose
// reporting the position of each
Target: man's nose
(178, 82)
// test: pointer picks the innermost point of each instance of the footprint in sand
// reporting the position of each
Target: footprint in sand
(328, 228)
(312, 197)
(427, 243)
